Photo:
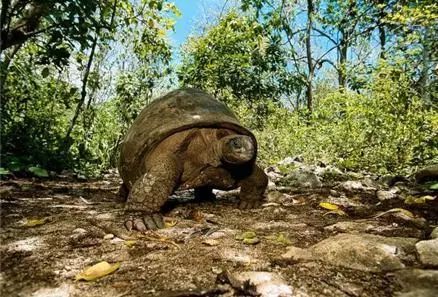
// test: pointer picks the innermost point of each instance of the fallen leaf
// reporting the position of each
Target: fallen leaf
(197, 216)
(130, 243)
(248, 237)
(35, 222)
(396, 210)
(329, 206)
(211, 242)
(37, 171)
(170, 223)
(279, 238)
(418, 200)
(251, 241)
(99, 270)
(247, 234)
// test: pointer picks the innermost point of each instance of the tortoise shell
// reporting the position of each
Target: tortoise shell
(174, 112)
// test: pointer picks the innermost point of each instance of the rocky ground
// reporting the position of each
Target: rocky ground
(321, 232)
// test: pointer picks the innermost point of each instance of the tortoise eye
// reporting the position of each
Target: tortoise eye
(236, 143)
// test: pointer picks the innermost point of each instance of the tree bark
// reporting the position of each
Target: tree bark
(68, 141)
(25, 28)
(310, 65)
(343, 51)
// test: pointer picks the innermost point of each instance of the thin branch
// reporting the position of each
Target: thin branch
(325, 35)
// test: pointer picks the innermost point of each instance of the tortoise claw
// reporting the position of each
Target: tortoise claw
(245, 204)
(147, 222)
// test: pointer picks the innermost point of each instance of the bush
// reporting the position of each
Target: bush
(388, 128)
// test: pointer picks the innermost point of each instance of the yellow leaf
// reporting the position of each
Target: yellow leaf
(418, 200)
(99, 270)
(130, 243)
(279, 238)
(329, 206)
(35, 222)
(170, 223)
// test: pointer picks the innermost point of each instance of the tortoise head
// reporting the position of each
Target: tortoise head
(237, 149)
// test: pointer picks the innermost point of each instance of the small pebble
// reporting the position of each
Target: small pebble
(79, 231)
(108, 236)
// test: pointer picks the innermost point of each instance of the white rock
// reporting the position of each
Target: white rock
(62, 291)
(108, 236)
(79, 231)
(363, 252)
(352, 186)
(387, 195)
(235, 256)
(26, 245)
(304, 179)
(267, 284)
(428, 251)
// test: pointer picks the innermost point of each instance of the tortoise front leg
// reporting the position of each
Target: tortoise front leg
(150, 192)
(252, 189)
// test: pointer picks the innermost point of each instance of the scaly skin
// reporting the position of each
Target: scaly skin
(188, 159)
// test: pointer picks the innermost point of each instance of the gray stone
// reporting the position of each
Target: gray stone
(417, 282)
(364, 252)
(388, 195)
(275, 197)
(330, 173)
(295, 254)
(427, 173)
(303, 179)
(350, 227)
(434, 233)
(267, 284)
(352, 186)
(428, 252)
(273, 173)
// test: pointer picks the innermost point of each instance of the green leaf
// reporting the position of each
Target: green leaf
(45, 72)
(433, 186)
(40, 172)
(4, 171)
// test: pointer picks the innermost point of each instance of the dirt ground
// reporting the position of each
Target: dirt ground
(195, 256)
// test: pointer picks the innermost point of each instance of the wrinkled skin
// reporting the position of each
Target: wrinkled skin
(199, 158)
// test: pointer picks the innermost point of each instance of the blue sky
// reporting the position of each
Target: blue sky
(190, 9)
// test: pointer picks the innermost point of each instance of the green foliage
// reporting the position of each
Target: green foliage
(38, 171)
(388, 128)
(73, 117)
(75, 74)
(33, 116)
(237, 60)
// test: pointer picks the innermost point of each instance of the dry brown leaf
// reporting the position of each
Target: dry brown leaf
(396, 210)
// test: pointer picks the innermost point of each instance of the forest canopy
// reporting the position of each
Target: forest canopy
(351, 82)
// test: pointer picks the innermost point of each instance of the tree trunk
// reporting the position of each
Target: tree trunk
(382, 32)
(310, 66)
(343, 51)
(68, 141)
(4, 67)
